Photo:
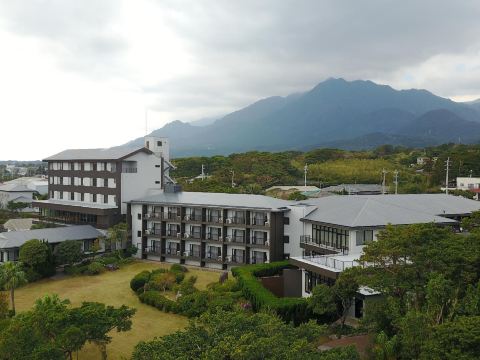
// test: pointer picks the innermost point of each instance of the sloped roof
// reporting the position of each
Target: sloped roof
(18, 224)
(185, 198)
(15, 187)
(380, 210)
(115, 153)
(13, 239)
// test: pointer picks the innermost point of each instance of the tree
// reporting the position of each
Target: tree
(472, 222)
(338, 297)
(117, 234)
(33, 252)
(240, 335)
(11, 277)
(54, 330)
(16, 206)
(69, 252)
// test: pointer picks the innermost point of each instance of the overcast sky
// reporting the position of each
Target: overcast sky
(80, 74)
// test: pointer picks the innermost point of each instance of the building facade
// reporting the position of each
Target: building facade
(91, 186)
(213, 230)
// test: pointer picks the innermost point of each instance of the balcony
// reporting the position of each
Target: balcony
(193, 218)
(192, 254)
(214, 236)
(154, 232)
(260, 222)
(259, 241)
(235, 221)
(174, 233)
(306, 241)
(152, 250)
(213, 257)
(335, 263)
(173, 252)
(193, 235)
(171, 216)
(235, 239)
(153, 216)
(235, 259)
(215, 219)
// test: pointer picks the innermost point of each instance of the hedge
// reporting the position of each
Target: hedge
(139, 280)
(156, 299)
(289, 309)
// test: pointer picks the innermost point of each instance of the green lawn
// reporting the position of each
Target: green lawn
(113, 288)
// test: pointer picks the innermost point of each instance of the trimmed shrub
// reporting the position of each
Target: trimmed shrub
(139, 280)
(187, 286)
(289, 309)
(156, 299)
(162, 281)
(178, 268)
(95, 268)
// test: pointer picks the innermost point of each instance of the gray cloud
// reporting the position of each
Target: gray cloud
(245, 50)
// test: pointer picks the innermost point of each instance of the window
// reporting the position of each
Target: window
(157, 182)
(139, 216)
(94, 182)
(139, 233)
(105, 199)
(286, 239)
(72, 196)
(157, 166)
(286, 221)
(363, 237)
(61, 195)
(94, 198)
(82, 197)
(329, 236)
(159, 143)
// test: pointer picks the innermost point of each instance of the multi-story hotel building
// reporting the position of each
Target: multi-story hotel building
(214, 230)
(92, 186)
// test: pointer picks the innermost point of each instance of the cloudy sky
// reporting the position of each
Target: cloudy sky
(77, 74)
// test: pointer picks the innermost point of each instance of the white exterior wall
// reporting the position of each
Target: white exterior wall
(137, 226)
(468, 183)
(140, 184)
(296, 228)
(6, 196)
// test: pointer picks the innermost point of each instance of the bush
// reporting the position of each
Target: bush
(156, 299)
(130, 251)
(187, 286)
(289, 309)
(178, 268)
(162, 281)
(139, 280)
(95, 268)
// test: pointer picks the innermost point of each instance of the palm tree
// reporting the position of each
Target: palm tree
(11, 277)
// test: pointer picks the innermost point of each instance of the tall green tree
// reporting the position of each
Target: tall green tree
(69, 252)
(11, 277)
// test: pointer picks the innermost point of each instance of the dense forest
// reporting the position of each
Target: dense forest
(254, 172)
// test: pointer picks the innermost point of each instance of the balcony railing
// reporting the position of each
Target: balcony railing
(129, 170)
(193, 217)
(193, 235)
(332, 262)
(235, 239)
(259, 260)
(259, 240)
(260, 221)
(173, 251)
(192, 253)
(153, 250)
(174, 233)
(152, 216)
(214, 256)
(215, 219)
(214, 236)
(171, 216)
(235, 259)
(307, 239)
(235, 220)
(153, 232)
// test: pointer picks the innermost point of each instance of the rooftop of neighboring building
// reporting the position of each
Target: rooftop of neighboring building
(224, 200)
(115, 153)
(14, 239)
(293, 188)
(18, 224)
(356, 211)
(75, 203)
(353, 188)
(15, 187)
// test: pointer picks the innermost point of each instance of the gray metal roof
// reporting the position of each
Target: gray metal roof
(14, 239)
(380, 210)
(18, 224)
(15, 187)
(354, 188)
(185, 198)
(114, 153)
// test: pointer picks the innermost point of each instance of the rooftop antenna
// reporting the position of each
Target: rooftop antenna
(384, 173)
(396, 181)
(446, 175)
(305, 170)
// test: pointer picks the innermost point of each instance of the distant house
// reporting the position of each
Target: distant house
(11, 241)
(17, 193)
(468, 183)
(422, 160)
(355, 189)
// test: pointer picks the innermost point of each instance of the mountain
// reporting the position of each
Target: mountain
(334, 111)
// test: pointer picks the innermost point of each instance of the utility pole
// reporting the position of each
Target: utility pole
(384, 172)
(305, 170)
(203, 172)
(233, 176)
(396, 181)
(446, 175)
(471, 173)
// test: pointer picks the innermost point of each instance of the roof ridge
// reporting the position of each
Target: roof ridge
(360, 212)
(407, 208)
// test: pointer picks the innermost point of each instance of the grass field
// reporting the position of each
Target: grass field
(112, 288)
